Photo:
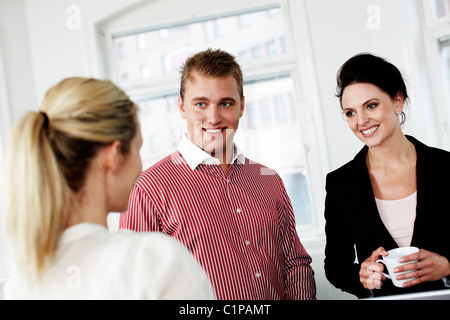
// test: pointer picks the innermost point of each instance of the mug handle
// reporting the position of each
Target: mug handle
(386, 275)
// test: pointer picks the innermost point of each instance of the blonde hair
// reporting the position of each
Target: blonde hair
(47, 159)
(214, 63)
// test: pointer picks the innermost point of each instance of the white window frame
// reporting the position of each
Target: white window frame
(433, 31)
(299, 63)
(5, 119)
(5, 127)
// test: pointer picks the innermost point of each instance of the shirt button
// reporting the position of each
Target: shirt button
(238, 210)
(247, 242)
(258, 275)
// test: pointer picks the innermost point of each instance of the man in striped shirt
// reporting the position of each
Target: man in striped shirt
(233, 214)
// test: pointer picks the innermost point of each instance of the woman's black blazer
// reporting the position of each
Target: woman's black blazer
(354, 228)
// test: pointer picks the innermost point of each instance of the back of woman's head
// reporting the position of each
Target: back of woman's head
(367, 68)
(49, 155)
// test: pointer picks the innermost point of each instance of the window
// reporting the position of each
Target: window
(436, 19)
(5, 123)
(440, 9)
(259, 34)
(277, 145)
(444, 50)
(265, 28)
(141, 41)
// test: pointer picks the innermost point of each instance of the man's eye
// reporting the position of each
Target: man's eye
(201, 104)
(226, 104)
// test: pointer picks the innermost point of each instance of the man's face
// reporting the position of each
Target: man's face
(212, 108)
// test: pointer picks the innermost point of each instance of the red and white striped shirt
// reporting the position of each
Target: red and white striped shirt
(240, 226)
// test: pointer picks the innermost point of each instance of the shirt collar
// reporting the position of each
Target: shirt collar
(195, 156)
(80, 230)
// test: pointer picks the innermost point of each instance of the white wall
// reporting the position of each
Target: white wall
(59, 46)
(16, 86)
(40, 49)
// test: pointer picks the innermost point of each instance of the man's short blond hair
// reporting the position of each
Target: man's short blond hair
(214, 63)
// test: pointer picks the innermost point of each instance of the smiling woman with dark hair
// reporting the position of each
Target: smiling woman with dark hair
(389, 195)
(360, 69)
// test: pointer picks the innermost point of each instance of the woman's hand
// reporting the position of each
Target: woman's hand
(370, 273)
(430, 267)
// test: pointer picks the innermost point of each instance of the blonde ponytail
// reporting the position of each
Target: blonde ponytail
(48, 157)
(37, 192)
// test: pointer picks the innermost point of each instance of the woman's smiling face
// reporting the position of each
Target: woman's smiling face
(371, 113)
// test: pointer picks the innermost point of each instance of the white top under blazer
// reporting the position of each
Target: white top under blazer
(398, 216)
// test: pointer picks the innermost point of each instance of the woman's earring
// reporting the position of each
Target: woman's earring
(403, 117)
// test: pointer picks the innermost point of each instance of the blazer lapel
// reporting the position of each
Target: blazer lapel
(422, 190)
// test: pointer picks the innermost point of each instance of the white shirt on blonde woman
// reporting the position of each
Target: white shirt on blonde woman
(93, 263)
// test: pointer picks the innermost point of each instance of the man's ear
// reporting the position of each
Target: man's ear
(113, 156)
(242, 106)
(181, 107)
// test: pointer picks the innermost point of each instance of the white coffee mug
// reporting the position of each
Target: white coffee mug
(391, 261)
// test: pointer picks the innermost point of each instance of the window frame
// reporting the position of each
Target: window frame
(5, 132)
(428, 16)
(5, 119)
(433, 31)
(299, 57)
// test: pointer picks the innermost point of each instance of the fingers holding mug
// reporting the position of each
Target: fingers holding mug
(377, 254)
(370, 275)
(400, 272)
(371, 272)
(423, 266)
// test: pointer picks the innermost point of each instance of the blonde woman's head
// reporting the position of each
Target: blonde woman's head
(48, 158)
